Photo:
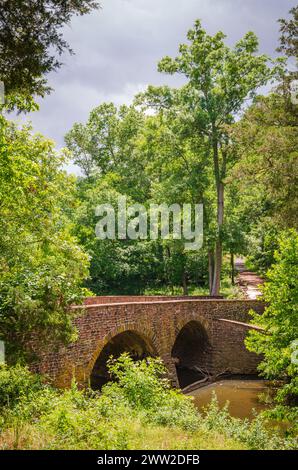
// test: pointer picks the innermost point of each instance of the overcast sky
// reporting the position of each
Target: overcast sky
(118, 47)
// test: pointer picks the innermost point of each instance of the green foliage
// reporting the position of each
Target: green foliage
(16, 385)
(30, 40)
(266, 141)
(184, 152)
(108, 143)
(139, 411)
(280, 321)
(142, 385)
(135, 158)
(117, 266)
(265, 175)
(42, 266)
(289, 32)
(255, 434)
(191, 149)
(220, 79)
(223, 76)
(263, 243)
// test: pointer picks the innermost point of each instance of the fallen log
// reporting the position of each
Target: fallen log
(203, 382)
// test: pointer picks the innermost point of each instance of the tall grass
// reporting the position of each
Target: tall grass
(138, 411)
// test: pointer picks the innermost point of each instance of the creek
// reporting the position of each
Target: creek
(242, 395)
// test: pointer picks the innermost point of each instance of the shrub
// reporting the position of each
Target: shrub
(280, 320)
(16, 384)
(144, 386)
(254, 434)
(138, 411)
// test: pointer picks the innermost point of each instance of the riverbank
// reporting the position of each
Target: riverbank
(138, 411)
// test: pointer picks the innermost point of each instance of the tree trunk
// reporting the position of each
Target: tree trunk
(210, 269)
(232, 269)
(218, 245)
(219, 175)
(184, 283)
(217, 268)
(168, 282)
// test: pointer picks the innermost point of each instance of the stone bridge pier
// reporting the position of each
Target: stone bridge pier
(191, 334)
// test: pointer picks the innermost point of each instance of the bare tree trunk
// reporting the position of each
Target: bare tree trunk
(184, 283)
(210, 269)
(232, 269)
(218, 245)
(219, 168)
(217, 268)
(166, 272)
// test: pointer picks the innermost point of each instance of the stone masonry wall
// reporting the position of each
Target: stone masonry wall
(158, 322)
(110, 299)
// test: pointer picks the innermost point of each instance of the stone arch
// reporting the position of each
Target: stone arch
(134, 338)
(191, 350)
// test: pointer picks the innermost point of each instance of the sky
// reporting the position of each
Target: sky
(117, 49)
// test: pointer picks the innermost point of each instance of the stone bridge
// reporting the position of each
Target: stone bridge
(190, 334)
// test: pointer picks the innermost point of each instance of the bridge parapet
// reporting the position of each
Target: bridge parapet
(112, 299)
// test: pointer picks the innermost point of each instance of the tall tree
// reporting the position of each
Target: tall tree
(220, 79)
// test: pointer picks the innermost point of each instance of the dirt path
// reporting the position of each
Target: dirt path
(248, 281)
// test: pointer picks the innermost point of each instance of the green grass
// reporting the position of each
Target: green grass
(227, 290)
(116, 433)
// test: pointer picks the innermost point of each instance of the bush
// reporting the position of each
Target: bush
(138, 411)
(144, 386)
(17, 384)
(254, 434)
(280, 320)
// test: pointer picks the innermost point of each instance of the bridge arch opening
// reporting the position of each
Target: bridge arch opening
(191, 353)
(128, 341)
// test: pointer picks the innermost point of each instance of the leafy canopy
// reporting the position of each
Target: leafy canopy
(30, 39)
